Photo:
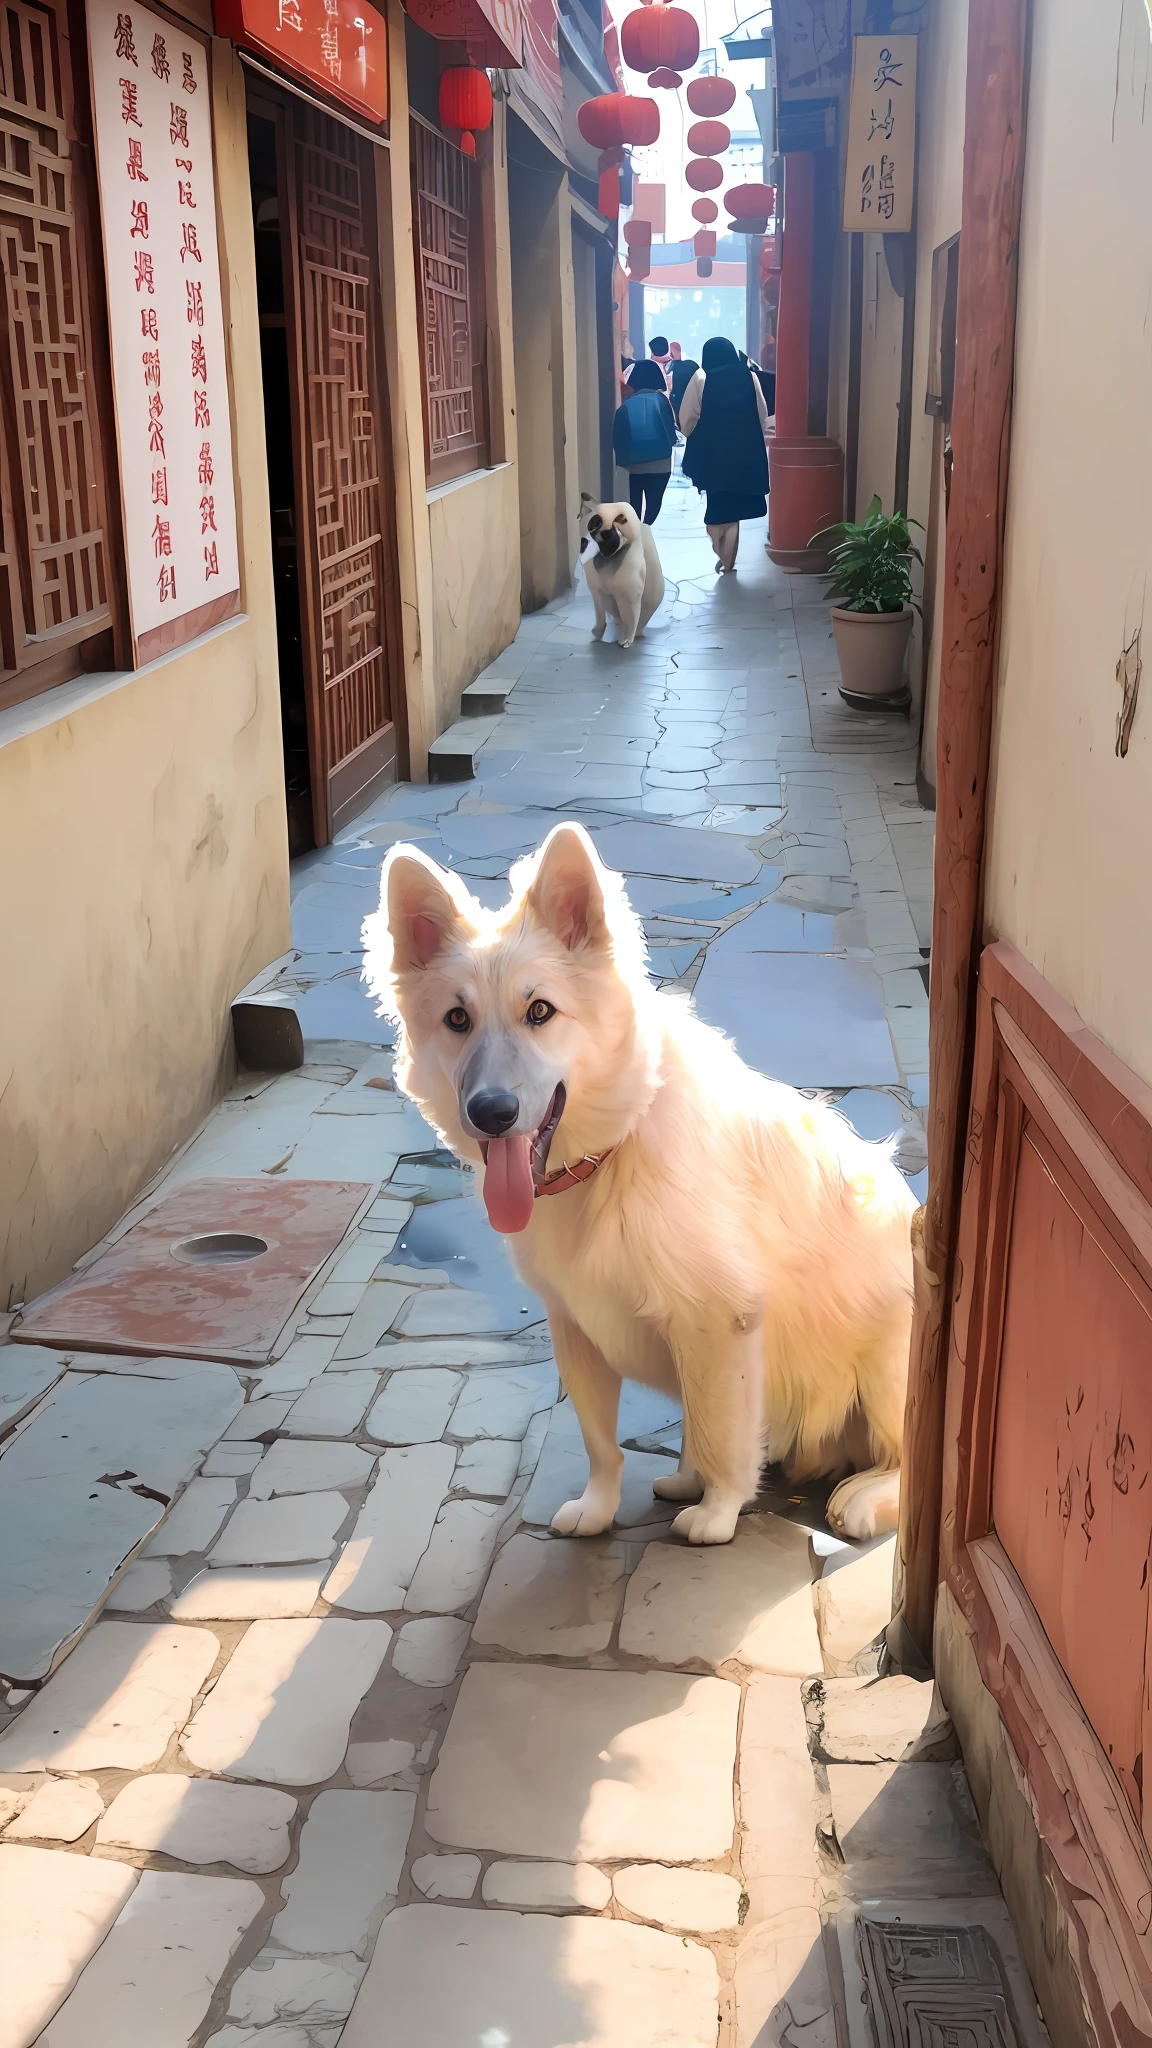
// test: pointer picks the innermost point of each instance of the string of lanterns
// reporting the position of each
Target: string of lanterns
(663, 41)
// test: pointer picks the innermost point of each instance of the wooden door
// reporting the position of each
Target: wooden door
(346, 570)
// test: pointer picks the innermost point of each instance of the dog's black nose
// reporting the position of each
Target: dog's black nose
(493, 1111)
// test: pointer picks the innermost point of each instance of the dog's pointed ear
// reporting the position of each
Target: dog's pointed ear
(425, 908)
(566, 893)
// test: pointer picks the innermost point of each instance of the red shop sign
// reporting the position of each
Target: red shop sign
(339, 45)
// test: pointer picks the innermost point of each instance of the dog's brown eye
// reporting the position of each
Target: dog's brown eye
(540, 1011)
(458, 1019)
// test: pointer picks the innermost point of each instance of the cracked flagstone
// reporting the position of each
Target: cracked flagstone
(197, 1820)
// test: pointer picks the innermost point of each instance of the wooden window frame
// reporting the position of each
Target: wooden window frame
(34, 661)
(445, 464)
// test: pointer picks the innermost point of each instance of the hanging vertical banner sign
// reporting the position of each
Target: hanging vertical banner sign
(153, 125)
(881, 164)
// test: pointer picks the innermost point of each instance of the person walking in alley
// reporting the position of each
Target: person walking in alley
(681, 370)
(725, 421)
(657, 353)
(643, 437)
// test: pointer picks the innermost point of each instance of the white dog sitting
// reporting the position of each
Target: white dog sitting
(621, 566)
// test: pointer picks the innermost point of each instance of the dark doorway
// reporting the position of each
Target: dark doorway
(263, 160)
(329, 471)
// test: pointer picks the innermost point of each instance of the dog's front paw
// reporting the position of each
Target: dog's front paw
(712, 1522)
(588, 1516)
(625, 643)
(679, 1486)
(865, 1505)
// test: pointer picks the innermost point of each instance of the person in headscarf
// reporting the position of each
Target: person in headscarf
(725, 421)
(643, 437)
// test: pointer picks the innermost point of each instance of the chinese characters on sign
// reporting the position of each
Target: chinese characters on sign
(157, 201)
(881, 164)
(340, 45)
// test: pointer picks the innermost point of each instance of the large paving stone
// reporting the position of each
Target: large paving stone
(487, 1469)
(55, 1910)
(853, 1603)
(908, 1828)
(781, 1987)
(26, 1373)
(197, 1820)
(305, 1990)
(414, 1407)
(455, 1564)
(141, 1586)
(587, 1765)
(641, 849)
(393, 1529)
(696, 1901)
(550, 1597)
(547, 1887)
(429, 1651)
(78, 1493)
(884, 1720)
(351, 1854)
(447, 1312)
(298, 1529)
(502, 1404)
(236, 1593)
(749, 1601)
(446, 1877)
(379, 1306)
(282, 1707)
(777, 1795)
(116, 1702)
(815, 1020)
(333, 1405)
(154, 1974)
(60, 1811)
(308, 1467)
(444, 1975)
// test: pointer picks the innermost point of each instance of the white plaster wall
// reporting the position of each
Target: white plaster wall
(1071, 825)
(144, 848)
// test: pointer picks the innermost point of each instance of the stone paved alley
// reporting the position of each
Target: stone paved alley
(345, 1746)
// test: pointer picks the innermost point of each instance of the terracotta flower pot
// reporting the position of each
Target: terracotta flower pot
(871, 647)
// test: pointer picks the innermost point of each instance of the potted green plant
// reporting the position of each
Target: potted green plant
(870, 576)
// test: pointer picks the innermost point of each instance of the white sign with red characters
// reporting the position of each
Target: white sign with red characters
(153, 124)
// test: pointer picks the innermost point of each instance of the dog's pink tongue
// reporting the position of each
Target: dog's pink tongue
(508, 1190)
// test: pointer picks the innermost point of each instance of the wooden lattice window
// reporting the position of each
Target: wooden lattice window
(54, 570)
(449, 283)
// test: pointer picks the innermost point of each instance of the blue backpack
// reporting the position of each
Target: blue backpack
(643, 430)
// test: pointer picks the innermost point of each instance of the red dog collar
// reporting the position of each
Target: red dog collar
(572, 1176)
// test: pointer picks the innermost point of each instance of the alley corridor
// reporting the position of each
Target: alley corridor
(355, 1750)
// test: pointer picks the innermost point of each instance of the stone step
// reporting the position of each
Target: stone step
(485, 698)
(452, 757)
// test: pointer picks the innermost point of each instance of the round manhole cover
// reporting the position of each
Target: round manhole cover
(220, 1248)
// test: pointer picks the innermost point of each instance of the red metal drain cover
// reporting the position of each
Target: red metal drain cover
(213, 1271)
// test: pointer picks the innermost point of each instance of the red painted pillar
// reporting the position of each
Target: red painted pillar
(806, 470)
(795, 316)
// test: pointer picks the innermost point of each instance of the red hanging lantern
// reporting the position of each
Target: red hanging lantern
(711, 95)
(750, 207)
(668, 81)
(703, 266)
(638, 234)
(608, 194)
(704, 209)
(709, 138)
(703, 174)
(652, 37)
(465, 102)
(704, 241)
(615, 117)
